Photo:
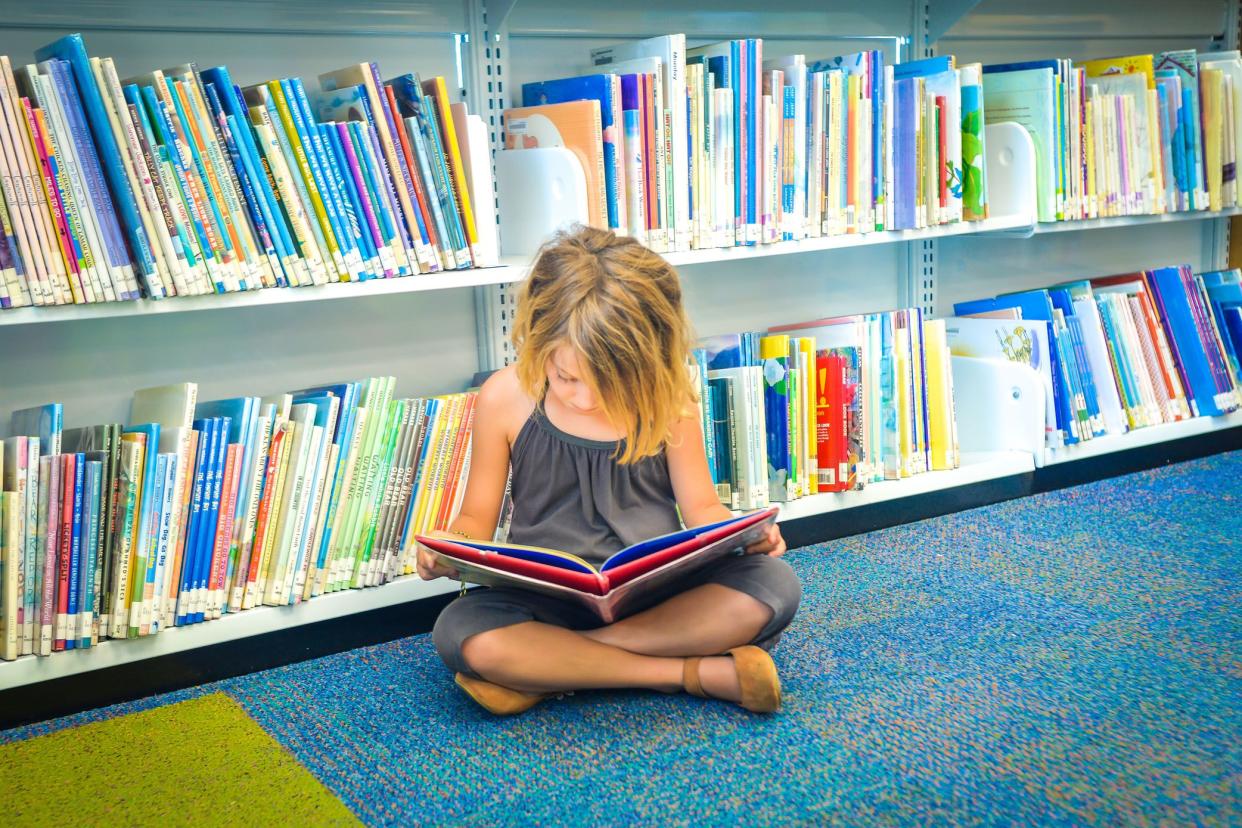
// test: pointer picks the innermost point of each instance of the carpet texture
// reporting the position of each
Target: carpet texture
(1071, 658)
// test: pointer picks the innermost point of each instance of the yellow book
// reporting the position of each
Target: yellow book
(942, 430)
(443, 458)
(1129, 65)
(809, 395)
(1212, 83)
(901, 399)
(437, 88)
(426, 474)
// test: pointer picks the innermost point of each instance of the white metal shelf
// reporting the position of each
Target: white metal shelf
(1140, 437)
(509, 272)
(975, 468)
(1131, 221)
(257, 621)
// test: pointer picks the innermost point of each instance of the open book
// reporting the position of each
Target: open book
(620, 581)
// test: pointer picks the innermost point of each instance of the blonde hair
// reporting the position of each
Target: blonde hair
(618, 305)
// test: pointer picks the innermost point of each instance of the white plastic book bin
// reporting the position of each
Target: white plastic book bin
(1011, 173)
(999, 407)
(540, 190)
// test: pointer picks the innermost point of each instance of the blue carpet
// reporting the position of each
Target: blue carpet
(1071, 658)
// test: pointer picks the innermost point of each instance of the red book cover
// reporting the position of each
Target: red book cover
(416, 180)
(827, 474)
(647, 112)
(224, 525)
(68, 463)
(265, 503)
(618, 575)
(838, 418)
(581, 581)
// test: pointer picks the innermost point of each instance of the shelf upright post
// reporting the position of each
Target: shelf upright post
(919, 279)
(485, 55)
(1216, 240)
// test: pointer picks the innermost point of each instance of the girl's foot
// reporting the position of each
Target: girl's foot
(495, 698)
(745, 675)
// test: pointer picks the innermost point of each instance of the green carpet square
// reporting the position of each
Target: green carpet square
(199, 762)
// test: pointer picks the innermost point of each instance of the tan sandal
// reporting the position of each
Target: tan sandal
(496, 699)
(756, 674)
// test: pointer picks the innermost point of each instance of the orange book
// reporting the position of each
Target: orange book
(574, 125)
(455, 462)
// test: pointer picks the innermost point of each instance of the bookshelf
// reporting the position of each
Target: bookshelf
(434, 331)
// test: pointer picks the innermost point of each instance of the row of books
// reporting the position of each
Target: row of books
(826, 406)
(716, 146)
(179, 182)
(1139, 134)
(1117, 352)
(206, 508)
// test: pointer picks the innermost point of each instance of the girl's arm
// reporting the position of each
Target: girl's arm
(489, 471)
(693, 487)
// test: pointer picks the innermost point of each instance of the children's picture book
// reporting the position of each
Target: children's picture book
(615, 585)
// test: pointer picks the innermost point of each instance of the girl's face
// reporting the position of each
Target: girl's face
(567, 380)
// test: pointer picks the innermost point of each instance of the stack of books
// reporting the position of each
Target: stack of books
(716, 146)
(206, 508)
(1133, 135)
(1118, 352)
(178, 182)
(826, 406)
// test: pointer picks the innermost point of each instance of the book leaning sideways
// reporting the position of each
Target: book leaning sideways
(621, 582)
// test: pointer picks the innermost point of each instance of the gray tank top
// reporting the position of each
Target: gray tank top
(571, 494)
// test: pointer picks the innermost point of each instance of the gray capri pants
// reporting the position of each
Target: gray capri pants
(769, 580)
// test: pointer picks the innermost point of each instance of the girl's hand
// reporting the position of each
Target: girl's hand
(429, 565)
(773, 544)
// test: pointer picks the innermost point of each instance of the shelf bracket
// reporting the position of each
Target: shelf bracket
(943, 15)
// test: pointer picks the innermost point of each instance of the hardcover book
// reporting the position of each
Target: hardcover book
(612, 587)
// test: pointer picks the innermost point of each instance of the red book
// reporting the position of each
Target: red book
(420, 194)
(265, 502)
(224, 531)
(68, 466)
(826, 476)
(620, 581)
(840, 436)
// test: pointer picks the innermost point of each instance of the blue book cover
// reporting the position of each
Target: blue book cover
(719, 389)
(60, 74)
(211, 515)
(229, 97)
(73, 49)
(312, 146)
(372, 198)
(1196, 355)
(242, 414)
(905, 152)
(194, 530)
(1063, 301)
(877, 135)
(43, 421)
(586, 88)
(705, 405)
(331, 174)
(91, 512)
(725, 351)
(354, 218)
(251, 198)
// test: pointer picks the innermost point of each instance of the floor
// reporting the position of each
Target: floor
(1070, 658)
